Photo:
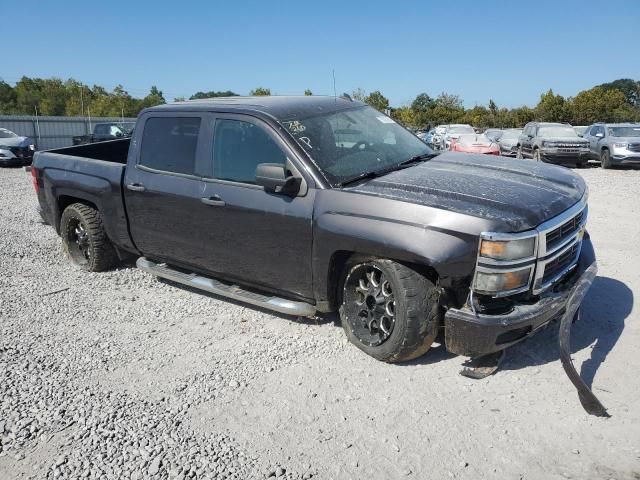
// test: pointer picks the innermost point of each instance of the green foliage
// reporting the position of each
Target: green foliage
(260, 92)
(308, 92)
(377, 100)
(629, 88)
(552, 108)
(616, 101)
(212, 94)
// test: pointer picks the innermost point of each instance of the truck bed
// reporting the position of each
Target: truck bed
(109, 151)
(92, 174)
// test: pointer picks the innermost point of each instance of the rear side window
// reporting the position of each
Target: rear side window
(238, 148)
(169, 144)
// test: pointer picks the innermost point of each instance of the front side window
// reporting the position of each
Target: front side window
(169, 144)
(630, 131)
(350, 143)
(239, 147)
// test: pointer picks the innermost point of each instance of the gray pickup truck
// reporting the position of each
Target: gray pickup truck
(552, 143)
(323, 204)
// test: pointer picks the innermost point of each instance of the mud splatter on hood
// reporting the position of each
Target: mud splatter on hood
(520, 193)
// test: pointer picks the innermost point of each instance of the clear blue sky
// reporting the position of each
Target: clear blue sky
(478, 49)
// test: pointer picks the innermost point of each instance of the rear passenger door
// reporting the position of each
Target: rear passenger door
(163, 189)
(257, 237)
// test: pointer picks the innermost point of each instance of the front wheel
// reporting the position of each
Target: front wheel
(389, 310)
(84, 238)
(605, 159)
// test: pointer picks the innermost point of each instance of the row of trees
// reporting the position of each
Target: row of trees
(53, 96)
(615, 101)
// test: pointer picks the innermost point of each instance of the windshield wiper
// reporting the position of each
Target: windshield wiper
(418, 158)
(383, 171)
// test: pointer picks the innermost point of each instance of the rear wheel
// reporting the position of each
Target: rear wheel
(605, 159)
(84, 239)
(389, 310)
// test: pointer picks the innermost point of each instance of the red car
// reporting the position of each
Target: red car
(475, 143)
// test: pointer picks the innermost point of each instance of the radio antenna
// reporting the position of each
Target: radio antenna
(335, 95)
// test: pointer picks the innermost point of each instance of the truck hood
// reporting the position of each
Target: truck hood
(517, 194)
(16, 141)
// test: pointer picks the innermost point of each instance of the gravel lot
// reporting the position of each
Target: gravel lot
(118, 375)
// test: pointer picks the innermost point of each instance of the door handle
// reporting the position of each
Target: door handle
(136, 187)
(214, 201)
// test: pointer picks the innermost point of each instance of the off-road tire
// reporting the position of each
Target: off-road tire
(605, 158)
(101, 253)
(418, 313)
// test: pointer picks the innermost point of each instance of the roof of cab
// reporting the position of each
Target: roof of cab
(280, 107)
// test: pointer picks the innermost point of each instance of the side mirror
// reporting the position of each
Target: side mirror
(272, 176)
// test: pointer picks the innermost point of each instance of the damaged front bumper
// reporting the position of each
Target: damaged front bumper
(474, 334)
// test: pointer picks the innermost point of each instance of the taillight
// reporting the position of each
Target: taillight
(34, 178)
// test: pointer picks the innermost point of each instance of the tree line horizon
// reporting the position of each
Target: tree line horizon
(616, 101)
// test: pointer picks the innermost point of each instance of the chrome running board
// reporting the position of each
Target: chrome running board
(277, 304)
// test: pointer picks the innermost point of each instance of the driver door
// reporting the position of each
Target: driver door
(257, 237)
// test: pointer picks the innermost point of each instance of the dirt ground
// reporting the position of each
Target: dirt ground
(257, 394)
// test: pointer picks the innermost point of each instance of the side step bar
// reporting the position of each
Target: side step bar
(281, 305)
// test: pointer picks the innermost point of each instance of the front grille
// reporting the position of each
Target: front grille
(634, 147)
(564, 231)
(567, 145)
(559, 264)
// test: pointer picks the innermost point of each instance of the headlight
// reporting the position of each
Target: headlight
(32, 147)
(620, 145)
(492, 283)
(508, 249)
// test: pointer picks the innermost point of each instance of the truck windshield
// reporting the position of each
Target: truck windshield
(352, 143)
(557, 131)
(624, 131)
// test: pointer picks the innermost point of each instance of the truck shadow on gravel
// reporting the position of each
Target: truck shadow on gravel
(605, 308)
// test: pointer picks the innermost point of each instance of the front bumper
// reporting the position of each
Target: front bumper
(14, 161)
(475, 334)
(626, 159)
(508, 151)
(562, 158)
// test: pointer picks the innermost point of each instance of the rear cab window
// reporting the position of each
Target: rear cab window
(169, 144)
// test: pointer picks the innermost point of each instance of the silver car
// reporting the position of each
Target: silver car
(14, 149)
(614, 143)
(508, 142)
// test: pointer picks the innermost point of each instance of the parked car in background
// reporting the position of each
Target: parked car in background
(106, 131)
(14, 149)
(580, 129)
(421, 133)
(614, 143)
(437, 138)
(453, 132)
(256, 201)
(493, 133)
(475, 143)
(428, 138)
(553, 143)
(508, 142)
